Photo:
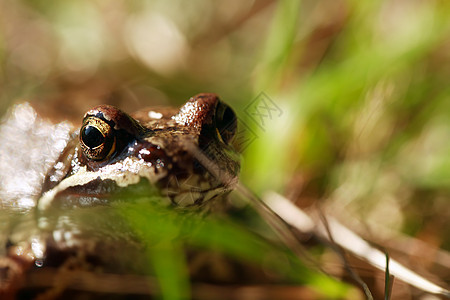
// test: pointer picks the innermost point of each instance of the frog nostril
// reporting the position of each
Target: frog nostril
(92, 137)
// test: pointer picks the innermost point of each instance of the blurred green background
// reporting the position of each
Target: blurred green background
(361, 90)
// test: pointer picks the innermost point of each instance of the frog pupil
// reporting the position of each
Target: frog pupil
(92, 137)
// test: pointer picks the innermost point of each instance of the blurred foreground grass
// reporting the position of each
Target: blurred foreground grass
(360, 88)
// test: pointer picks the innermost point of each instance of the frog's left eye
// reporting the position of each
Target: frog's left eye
(225, 121)
(97, 138)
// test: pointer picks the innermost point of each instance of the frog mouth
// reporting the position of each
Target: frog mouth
(104, 192)
(93, 188)
(96, 187)
(171, 190)
(94, 193)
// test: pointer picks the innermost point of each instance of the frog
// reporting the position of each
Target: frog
(184, 155)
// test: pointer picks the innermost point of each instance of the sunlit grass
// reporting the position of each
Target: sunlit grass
(167, 234)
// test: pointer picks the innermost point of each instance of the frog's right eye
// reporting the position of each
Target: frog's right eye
(97, 138)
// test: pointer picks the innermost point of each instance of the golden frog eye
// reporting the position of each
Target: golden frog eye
(226, 122)
(97, 138)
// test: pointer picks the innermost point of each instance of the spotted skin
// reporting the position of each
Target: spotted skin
(147, 152)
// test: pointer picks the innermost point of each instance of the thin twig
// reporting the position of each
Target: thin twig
(388, 280)
(341, 253)
(350, 241)
(277, 223)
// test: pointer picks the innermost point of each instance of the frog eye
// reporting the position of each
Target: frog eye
(97, 138)
(226, 122)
